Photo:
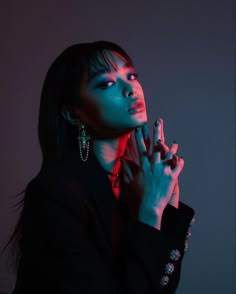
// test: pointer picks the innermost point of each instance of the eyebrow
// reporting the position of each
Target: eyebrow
(103, 71)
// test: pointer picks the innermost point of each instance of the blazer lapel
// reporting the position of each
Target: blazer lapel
(97, 183)
(103, 197)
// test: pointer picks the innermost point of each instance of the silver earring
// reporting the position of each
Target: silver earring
(84, 142)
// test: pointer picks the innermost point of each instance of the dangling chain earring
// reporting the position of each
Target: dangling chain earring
(84, 142)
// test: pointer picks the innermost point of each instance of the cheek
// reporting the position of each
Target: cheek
(139, 89)
(95, 109)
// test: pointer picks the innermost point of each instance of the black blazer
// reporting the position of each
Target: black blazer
(77, 238)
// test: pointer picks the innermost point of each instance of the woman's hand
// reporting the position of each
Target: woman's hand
(174, 201)
(132, 154)
(156, 179)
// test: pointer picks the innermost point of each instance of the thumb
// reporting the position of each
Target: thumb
(127, 172)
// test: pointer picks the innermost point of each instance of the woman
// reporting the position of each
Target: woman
(97, 218)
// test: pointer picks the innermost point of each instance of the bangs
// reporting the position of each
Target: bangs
(103, 61)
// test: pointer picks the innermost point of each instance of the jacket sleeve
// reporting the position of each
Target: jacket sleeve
(178, 221)
(61, 257)
(153, 257)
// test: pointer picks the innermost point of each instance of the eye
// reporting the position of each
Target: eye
(133, 76)
(105, 85)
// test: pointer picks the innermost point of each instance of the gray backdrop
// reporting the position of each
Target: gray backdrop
(184, 53)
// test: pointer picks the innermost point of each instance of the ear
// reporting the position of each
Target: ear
(67, 114)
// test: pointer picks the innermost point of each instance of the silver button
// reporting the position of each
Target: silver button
(186, 246)
(169, 268)
(164, 280)
(188, 234)
(192, 221)
(175, 254)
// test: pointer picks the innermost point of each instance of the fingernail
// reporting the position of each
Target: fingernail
(175, 142)
(137, 129)
(156, 123)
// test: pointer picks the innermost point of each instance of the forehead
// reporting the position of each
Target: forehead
(107, 61)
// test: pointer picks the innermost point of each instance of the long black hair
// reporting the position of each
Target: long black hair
(61, 89)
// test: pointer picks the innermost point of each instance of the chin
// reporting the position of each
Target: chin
(131, 122)
(140, 119)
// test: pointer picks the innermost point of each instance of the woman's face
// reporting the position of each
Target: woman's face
(106, 99)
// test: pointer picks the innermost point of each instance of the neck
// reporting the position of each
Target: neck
(109, 151)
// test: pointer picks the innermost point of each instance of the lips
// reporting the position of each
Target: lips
(136, 105)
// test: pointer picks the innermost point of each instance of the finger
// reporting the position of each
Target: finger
(132, 164)
(174, 147)
(165, 150)
(173, 150)
(169, 156)
(141, 147)
(174, 201)
(156, 155)
(165, 147)
(126, 170)
(146, 138)
(157, 135)
(131, 150)
(172, 161)
(177, 170)
(175, 161)
(162, 130)
(156, 132)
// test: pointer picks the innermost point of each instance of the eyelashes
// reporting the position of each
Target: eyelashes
(109, 83)
(136, 75)
(105, 85)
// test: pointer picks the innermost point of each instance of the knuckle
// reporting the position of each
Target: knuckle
(166, 148)
(181, 160)
(166, 170)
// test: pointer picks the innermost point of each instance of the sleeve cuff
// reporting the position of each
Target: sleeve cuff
(176, 221)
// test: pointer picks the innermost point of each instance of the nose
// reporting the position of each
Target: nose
(129, 90)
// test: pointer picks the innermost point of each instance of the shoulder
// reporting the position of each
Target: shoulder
(60, 182)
